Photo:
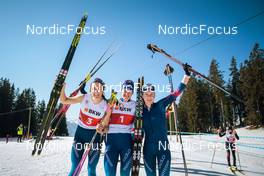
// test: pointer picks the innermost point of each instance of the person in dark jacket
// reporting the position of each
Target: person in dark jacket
(156, 144)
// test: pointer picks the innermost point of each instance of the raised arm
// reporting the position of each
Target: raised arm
(220, 132)
(181, 87)
(69, 100)
(172, 97)
(236, 135)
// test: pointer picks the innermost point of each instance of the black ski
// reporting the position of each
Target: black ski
(138, 134)
(55, 93)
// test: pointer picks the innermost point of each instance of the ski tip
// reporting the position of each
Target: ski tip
(85, 14)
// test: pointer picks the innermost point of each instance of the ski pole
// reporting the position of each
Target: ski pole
(238, 158)
(85, 155)
(65, 108)
(90, 75)
(168, 71)
(182, 148)
(154, 49)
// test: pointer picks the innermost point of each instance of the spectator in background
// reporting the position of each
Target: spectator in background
(19, 133)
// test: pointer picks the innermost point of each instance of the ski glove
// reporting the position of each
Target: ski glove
(186, 68)
(82, 88)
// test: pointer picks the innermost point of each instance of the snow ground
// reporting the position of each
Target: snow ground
(16, 159)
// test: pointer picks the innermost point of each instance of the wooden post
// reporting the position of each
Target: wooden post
(29, 119)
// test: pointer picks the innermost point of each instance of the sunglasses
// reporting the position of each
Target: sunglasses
(148, 88)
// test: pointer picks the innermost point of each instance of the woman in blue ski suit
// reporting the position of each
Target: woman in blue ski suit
(118, 142)
(93, 109)
(155, 128)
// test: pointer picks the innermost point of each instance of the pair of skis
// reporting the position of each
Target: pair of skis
(55, 93)
(236, 171)
(138, 133)
(49, 117)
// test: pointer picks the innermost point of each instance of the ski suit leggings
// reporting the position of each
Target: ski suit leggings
(83, 136)
(231, 146)
(118, 144)
(153, 152)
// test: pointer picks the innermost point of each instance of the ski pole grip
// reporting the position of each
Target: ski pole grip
(152, 47)
(168, 70)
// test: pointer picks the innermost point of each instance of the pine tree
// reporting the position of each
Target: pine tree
(62, 128)
(234, 86)
(26, 101)
(7, 95)
(204, 116)
(194, 107)
(17, 108)
(40, 110)
(182, 112)
(252, 78)
(7, 98)
(229, 114)
(217, 99)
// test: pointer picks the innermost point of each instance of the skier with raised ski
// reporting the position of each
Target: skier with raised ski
(93, 109)
(156, 144)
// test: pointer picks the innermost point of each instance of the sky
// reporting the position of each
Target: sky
(33, 61)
